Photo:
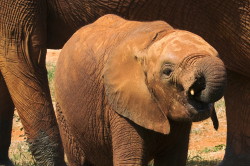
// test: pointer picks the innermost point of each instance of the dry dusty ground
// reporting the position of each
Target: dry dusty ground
(207, 146)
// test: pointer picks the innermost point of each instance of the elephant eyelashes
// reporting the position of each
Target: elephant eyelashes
(167, 71)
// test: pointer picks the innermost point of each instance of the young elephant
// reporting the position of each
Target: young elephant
(127, 92)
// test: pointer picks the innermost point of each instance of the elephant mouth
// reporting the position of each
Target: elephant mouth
(199, 111)
(183, 108)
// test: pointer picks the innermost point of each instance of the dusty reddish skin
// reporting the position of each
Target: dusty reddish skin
(27, 28)
(114, 104)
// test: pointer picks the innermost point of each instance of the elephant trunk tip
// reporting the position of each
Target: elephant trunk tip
(194, 91)
(209, 81)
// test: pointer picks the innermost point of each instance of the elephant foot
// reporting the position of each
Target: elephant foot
(6, 163)
(46, 150)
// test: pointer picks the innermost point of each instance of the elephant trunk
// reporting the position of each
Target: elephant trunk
(206, 83)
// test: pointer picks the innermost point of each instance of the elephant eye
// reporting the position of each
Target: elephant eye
(167, 71)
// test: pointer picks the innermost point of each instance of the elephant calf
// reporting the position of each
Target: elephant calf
(127, 92)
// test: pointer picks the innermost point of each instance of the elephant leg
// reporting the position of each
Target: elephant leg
(177, 156)
(75, 155)
(22, 63)
(237, 98)
(127, 143)
(31, 96)
(6, 117)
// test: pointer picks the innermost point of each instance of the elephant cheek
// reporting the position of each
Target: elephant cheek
(179, 112)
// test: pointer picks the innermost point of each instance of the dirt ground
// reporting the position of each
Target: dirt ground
(204, 139)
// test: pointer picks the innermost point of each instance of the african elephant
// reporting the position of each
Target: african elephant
(27, 28)
(127, 92)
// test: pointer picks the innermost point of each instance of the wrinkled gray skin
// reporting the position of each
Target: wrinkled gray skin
(27, 28)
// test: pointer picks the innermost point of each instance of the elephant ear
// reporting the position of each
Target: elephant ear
(127, 91)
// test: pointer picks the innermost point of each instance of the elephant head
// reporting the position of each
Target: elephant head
(174, 74)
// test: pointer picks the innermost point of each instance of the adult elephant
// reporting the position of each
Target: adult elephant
(27, 28)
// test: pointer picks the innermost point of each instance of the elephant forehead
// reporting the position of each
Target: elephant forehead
(178, 44)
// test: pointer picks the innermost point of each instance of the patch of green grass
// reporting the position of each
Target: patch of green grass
(196, 131)
(214, 149)
(205, 157)
(200, 161)
(51, 68)
(51, 71)
(220, 104)
(20, 154)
